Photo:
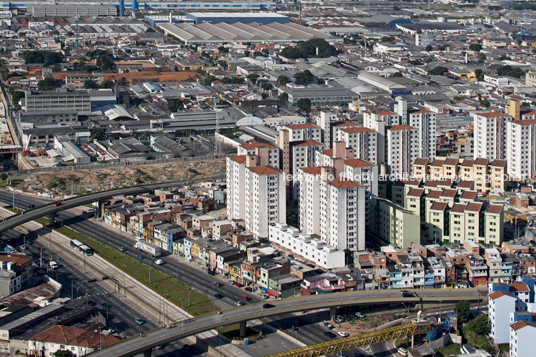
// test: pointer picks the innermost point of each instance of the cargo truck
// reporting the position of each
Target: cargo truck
(148, 248)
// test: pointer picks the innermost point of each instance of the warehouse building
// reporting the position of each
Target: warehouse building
(321, 96)
(71, 10)
(232, 17)
(60, 99)
(244, 32)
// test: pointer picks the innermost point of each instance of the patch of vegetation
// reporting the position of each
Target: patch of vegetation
(161, 283)
(508, 70)
(308, 49)
(45, 57)
(450, 350)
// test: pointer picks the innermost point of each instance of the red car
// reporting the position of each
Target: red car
(239, 285)
(245, 298)
(57, 204)
(247, 288)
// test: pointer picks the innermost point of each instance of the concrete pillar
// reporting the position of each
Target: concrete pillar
(332, 312)
(51, 219)
(243, 327)
(146, 353)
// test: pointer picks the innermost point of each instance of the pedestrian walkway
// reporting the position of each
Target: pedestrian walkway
(129, 285)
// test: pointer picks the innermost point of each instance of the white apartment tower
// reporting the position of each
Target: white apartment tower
(236, 203)
(490, 135)
(425, 123)
(521, 148)
(324, 122)
(363, 140)
(342, 218)
(265, 199)
(402, 148)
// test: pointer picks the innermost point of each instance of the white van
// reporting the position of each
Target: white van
(54, 265)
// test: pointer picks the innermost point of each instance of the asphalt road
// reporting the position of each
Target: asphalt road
(196, 325)
(49, 208)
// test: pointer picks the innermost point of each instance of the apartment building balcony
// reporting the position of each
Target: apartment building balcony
(428, 282)
(506, 272)
(396, 285)
(478, 273)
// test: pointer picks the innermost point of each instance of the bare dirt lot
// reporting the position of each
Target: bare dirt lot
(85, 181)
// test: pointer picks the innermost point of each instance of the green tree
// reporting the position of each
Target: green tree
(304, 77)
(174, 104)
(223, 64)
(441, 48)
(122, 81)
(309, 48)
(223, 49)
(90, 84)
(264, 95)
(116, 136)
(485, 103)
(283, 96)
(247, 53)
(438, 71)
(428, 48)
(252, 77)
(98, 133)
(3, 176)
(386, 39)
(106, 84)
(17, 96)
(46, 84)
(481, 57)
(282, 79)
(266, 86)
(56, 68)
(479, 74)
(504, 58)
(462, 310)
(257, 54)
(396, 75)
(62, 353)
(475, 47)
(149, 98)
(304, 104)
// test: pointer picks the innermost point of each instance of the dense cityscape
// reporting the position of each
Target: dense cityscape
(231, 178)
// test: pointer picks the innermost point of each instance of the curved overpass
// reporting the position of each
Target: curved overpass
(49, 209)
(140, 344)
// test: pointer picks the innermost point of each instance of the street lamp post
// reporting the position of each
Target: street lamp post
(189, 288)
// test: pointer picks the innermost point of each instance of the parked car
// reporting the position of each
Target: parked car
(263, 296)
(248, 288)
(360, 315)
(231, 282)
(402, 351)
(343, 334)
(211, 273)
(122, 249)
(139, 321)
(216, 284)
(239, 285)
(239, 303)
(218, 296)
(159, 262)
(329, 326)
(245, 298)
(329, 334)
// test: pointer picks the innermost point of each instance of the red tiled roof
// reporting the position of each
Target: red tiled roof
(239, 159)
(302, 126)
(312, 170)
(344, 123)
(519, 287)
(400, 127)
(448, 193)
(524, 122)
(458, 208)
(65, 335)
(439, 206)
(499, 163)
(264, 170)
(492, 115)
(481, 162)
(431, 183)
(520, 324)
(434, 194)
(418, 111)
(474, 207)
(328, 152)
(494, 209)
(465, 184)
(357, 130)
(421, 161)
(343, 183)
(308, 143)
(497, 295)
(417, 192)
(468, 195)
(358, 163)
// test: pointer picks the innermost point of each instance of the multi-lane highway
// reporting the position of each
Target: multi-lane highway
(139, 344)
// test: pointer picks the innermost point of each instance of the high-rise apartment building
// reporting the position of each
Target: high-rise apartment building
(521, 148)
(402, 148)
(490, 135)
(364, 141)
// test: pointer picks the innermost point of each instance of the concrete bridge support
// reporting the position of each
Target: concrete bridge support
(51, 218)
(243, 328)
(145, 353)
(332, 312)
